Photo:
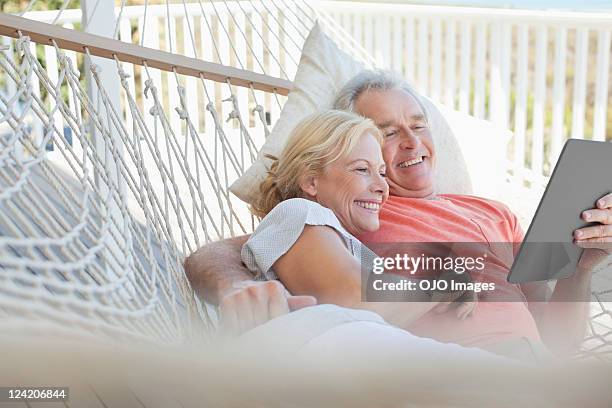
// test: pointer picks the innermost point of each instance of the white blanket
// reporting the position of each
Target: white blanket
(333, 332)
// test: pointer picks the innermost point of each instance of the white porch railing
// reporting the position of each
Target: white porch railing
(543, 74)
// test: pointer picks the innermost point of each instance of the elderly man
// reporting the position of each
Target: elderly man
(415, 213)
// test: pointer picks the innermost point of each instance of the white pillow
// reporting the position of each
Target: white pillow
(483, 146)
(323, 70)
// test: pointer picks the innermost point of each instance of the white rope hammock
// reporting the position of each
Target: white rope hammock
(100, 203)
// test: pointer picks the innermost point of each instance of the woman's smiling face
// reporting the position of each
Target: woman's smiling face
(354, 187)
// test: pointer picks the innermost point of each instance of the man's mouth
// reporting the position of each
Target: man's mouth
(368, 205)
(411, 162)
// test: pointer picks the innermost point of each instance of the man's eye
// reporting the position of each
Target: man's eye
(383, 174)
(391, 133)
(362, 169)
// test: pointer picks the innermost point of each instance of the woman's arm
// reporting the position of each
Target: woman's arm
(320, 265)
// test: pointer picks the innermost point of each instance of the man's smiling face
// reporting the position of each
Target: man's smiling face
(408, 148)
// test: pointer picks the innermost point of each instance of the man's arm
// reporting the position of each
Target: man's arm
(216, 269)
(217, 274)
(562, 319)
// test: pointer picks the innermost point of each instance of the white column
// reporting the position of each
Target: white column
(99, 19)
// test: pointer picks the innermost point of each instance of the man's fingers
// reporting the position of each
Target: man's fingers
(605, 242)
(605, 201)
(595, 231)
(603, 216)
(300, 302)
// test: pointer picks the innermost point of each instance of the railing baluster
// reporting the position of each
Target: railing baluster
(368, 36)
(357, 29)
(37, 130)
(173, 99)
(383, 40)
(558, 94)
(241, 49)
(520, 113)
(74, 103)
(580, 69)
(479, 70)
(396, 32)
(436, 59)
(274, 68)
(125, 34)
(11, 86)
(151, 40)
(506, 51)
(190, 82)
(451, 67)
(495, 74)
(466, 53)
(537, 147)
(258, 96)
(345, 21)
(51, 66)
(409, 46)
(423, 59)
(601, 90)
(208, 54)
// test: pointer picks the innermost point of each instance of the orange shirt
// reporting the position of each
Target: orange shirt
(464, 219)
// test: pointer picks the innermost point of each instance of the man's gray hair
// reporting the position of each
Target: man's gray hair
(379, 79)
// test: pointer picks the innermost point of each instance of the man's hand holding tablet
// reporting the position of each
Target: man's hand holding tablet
(595, 239)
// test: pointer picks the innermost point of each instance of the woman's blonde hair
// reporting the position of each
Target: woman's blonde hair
(316, 142)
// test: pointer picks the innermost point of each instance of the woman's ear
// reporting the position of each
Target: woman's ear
(309, 185)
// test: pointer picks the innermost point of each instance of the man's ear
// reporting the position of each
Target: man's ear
(309, 185)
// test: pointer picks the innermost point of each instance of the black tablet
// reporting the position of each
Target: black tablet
(583, 174)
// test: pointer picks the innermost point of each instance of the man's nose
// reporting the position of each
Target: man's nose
(409, 140)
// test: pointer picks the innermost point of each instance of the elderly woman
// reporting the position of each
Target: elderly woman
(327, 186)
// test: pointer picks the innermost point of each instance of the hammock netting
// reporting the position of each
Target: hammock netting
(99, 203)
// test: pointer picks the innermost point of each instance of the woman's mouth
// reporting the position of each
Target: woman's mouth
(411, 162)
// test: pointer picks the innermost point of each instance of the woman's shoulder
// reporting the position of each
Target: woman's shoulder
(301, 210)
(281, 228)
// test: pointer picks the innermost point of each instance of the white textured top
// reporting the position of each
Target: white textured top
(282, 227)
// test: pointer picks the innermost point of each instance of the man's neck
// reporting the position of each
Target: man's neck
(414, 194)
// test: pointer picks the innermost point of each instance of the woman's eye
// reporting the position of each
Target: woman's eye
(362, 169)
(391, 133)
(383, 174)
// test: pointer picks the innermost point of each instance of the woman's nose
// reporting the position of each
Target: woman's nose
(380, 185)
